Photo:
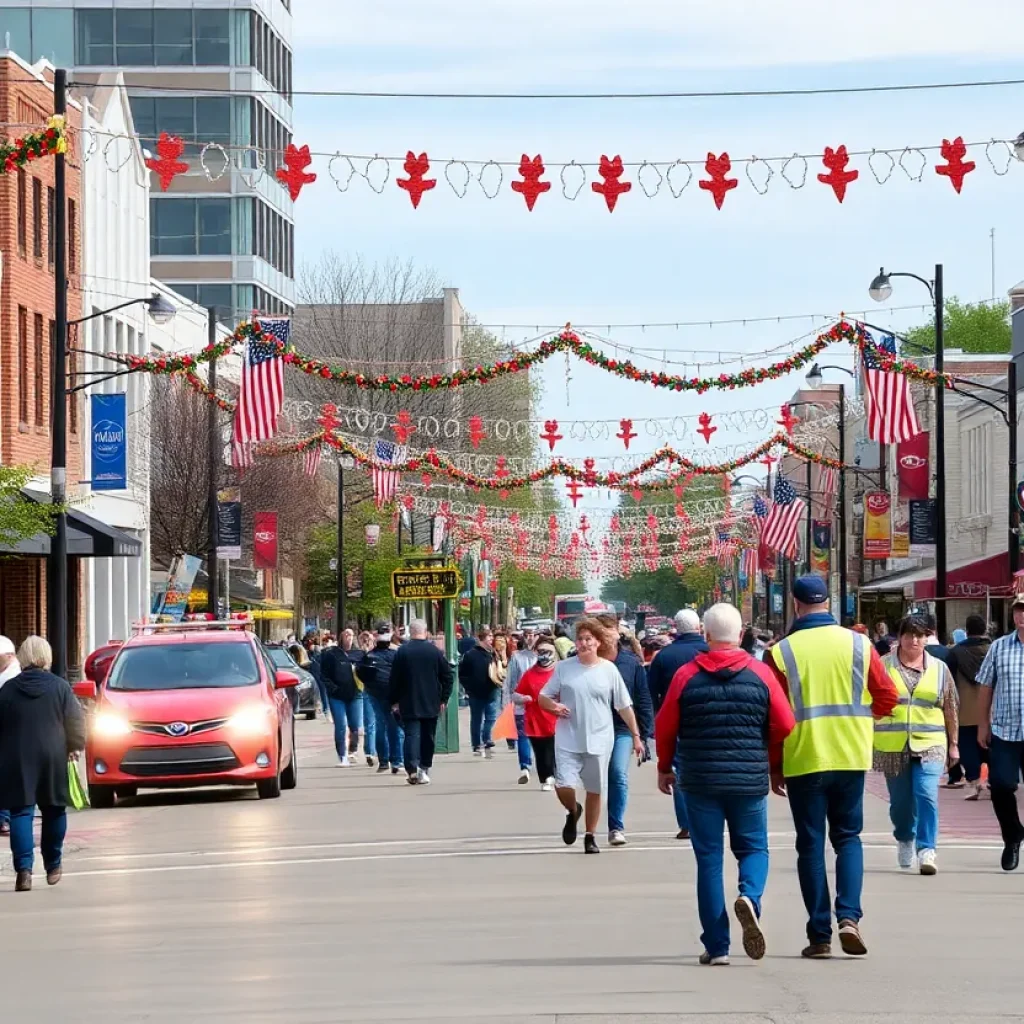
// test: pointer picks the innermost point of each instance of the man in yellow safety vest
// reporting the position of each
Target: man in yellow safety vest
(837, 685)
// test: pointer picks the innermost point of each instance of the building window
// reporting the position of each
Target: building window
(190, 227)
(172, 34)
(143, 37)
(51, 227)
(22, 213)
(271, 58)
(197, 121)
(72, 237)
(23, 365)
(94, 36)
(40, 369)
(214, 226)
(213, 37)
(37, 219)
(134, 36)
(976, 485)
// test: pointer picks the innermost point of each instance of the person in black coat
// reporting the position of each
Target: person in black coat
(477, 674)
(420, 686)
(375, 672)
(336, 670)
(41, 725)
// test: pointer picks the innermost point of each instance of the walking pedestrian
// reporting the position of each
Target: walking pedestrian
(729, 716)
(1001, 729)
(336, 667)
(687, 644)
(618, 649)
(563, 641)
(421, 685)
(9, 668)
(538, 724)
(375, 672)
(964, 661)
(913, 744)
(315, 654)
(476, 674)
(582, 692)
(41, 727)
(823, 669)
(882, 638)
(520, 662)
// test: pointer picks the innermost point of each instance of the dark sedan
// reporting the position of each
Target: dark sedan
(306, 693)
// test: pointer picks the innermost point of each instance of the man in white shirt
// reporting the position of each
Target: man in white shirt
(9, 668)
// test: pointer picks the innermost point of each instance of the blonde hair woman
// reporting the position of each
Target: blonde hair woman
(41, 725)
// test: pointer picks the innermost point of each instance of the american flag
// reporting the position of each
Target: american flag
(760, 514)
(887, 400)
(262, 391)
(723, 547)
(783, 522)
(827, 477)
(241, 456)
(749, 563)
(311, 460)
(385, 480)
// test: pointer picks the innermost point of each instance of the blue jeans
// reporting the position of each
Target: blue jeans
(678, 796)
(618, 781)
(369, 722)
(325, 701)
(523, 743)
(347, 714)
(835, 799)
(482, 714)
(390, 734)
(747, 818)
(914, 803)
(55, 826)
(971, 755)
(5, 817)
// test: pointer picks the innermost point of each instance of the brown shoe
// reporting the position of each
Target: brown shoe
(683, 833)
(850, 940)
(817, 951)
(23, 883)
(54, 876)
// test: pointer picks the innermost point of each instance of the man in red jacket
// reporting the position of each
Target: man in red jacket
(731, 717)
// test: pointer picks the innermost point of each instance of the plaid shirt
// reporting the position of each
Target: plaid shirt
(1003, 669)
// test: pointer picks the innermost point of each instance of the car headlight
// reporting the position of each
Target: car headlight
(253, 721)
(107, 724)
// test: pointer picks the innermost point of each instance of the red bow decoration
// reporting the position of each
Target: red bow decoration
(786, 419)
(956, 168)
(501, 471)
(407, 502)
(403, 426)
(531, 186)
(611, 188)
(769, 461)
(589, 474)
(637, 494)
(626, 433)
(476, 431)
(705, 427)
(584, 524)
(718, 183)
(427, 479)
(573, 488)
(328, 419)
(168, 167)
(551, 434)
(417, 183)
(294, 173)
(838, 176)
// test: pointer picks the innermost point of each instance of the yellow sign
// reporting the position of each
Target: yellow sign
(430, 584)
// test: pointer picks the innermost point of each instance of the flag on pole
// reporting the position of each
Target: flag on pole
(385, 479)
(311, 460)
(783, 522)
(887, 399)
(262, 389)
(827, 477)
(241, 456)
(760, 514)
(749, 563)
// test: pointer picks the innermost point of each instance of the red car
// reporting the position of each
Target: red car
(195, 704)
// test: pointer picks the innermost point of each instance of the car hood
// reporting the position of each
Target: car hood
(192, 705)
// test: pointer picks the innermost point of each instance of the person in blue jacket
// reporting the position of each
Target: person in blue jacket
(689, 642)
(619, 649)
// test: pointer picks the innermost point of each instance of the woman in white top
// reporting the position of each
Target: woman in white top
(582, 692)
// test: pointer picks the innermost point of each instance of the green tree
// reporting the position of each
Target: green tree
(979, 328)
(21, 518)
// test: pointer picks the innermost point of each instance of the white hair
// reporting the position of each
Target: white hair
(418, 628)
(687, 621)
(35, 652)
(723, 624)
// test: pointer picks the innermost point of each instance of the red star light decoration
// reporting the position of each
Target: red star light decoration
(589, 473)
(626, 432)
(573, 490)
(786, 419)
(531, 186)
(417, 183)
(403, 426)
(294, 174)
(476, 431)
(169, 148)
(956, 168)
(551, 434)
(611, 188)
(838, 176)
(705, 427)
(718, 182)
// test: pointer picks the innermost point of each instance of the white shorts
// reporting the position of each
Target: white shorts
(572, 768)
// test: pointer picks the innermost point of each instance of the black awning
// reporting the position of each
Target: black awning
(87, 537)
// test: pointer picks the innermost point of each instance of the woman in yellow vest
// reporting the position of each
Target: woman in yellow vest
(915, 743)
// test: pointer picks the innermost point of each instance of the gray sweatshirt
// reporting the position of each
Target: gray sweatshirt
(517, 667)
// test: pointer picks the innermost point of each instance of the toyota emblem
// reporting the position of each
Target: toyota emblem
(177, 728)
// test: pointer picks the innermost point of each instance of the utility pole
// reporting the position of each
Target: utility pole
(339, 607)
(941, 594)
(1013, 539)
(212, 510)
(842, 505)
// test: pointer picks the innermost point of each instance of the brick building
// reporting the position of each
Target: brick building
(26, 340)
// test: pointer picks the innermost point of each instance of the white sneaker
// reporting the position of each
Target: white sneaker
(547, 786)
(478, 753)
(905, 854)
(973, 791)
(489, 753)
(422, 778)
(707, 960)
(616, 838)
(524, 776)
(927, 860)
(344, 763)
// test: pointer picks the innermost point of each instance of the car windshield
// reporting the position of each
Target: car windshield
(281, 658)
(184, 666)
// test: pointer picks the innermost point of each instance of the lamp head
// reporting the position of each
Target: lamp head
(1018, 147)
(160, 309)
(881, 287)
(814, 377)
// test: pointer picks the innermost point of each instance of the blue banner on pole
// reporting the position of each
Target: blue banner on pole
(109, 442)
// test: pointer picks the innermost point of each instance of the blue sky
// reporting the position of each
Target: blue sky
(662, 259)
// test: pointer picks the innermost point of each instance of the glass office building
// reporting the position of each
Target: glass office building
(217, 74)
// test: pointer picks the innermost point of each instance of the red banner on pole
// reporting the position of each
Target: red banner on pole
(264, 540)
(877, 524)
(912, 467)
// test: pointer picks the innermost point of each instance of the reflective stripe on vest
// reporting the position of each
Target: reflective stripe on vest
(916, 721)
(855, 708)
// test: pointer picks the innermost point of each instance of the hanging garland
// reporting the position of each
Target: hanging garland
(53, 139)
(169, 364)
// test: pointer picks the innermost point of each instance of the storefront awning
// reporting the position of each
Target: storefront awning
(964, 579)
(87, 537)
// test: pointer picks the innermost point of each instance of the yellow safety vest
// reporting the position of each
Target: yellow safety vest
(918, 719)
(826, 668)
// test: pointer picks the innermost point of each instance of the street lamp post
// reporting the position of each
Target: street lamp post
(880, 290)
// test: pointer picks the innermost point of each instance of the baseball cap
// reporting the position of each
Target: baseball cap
(1018, 602)
(7, 646)
(383, 629)
(810, 590)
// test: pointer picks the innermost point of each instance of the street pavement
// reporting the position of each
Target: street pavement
(360, 898)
